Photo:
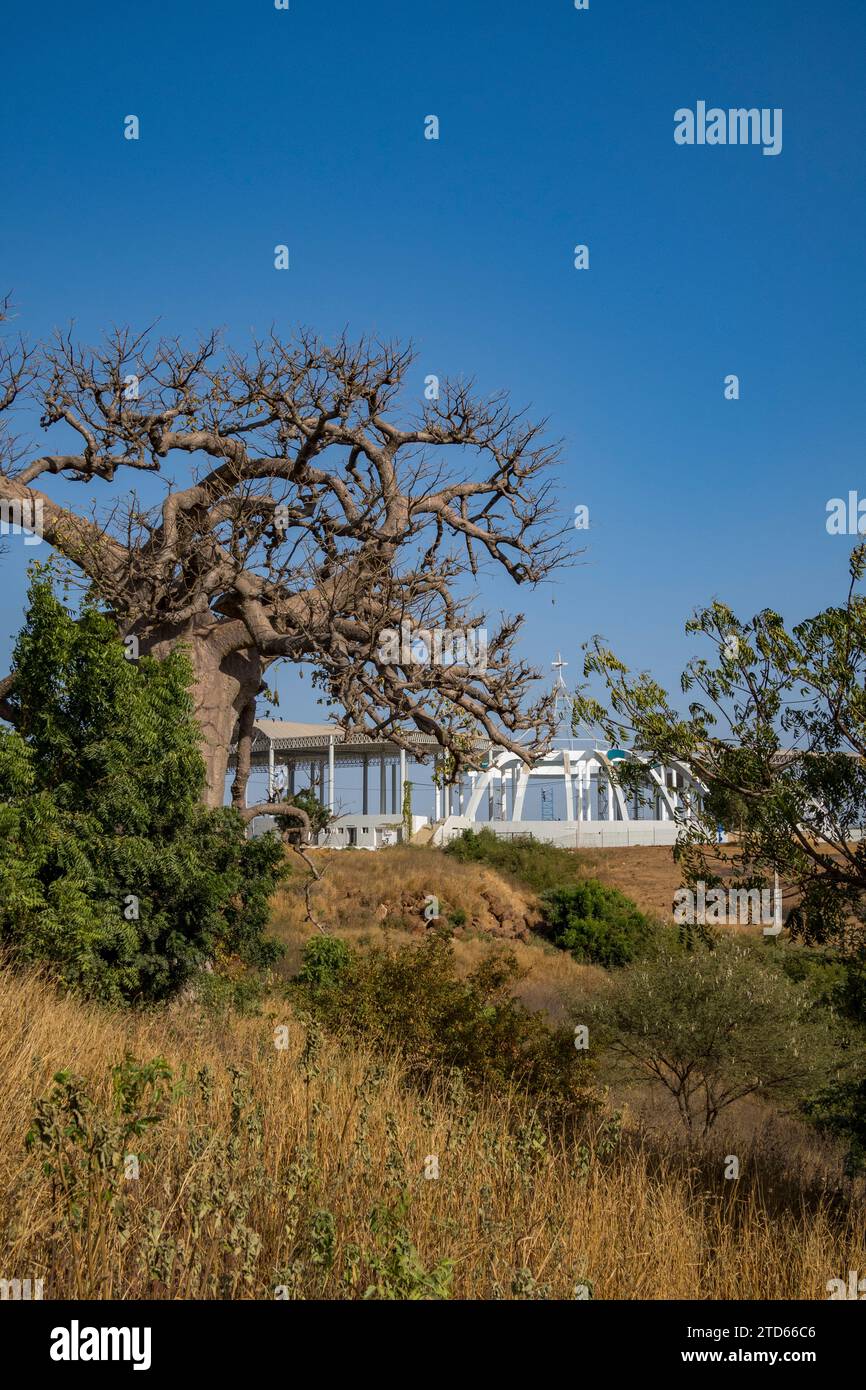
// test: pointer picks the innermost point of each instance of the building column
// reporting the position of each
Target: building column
(569, 787)
(270, 771)
(291, 767)
(383, 788)
(394, 788)
(331, 797)
(402, 777)
(365, 768)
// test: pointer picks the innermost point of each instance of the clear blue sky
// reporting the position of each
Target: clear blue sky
(305, 127)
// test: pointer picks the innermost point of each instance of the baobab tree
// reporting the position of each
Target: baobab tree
(296, 506)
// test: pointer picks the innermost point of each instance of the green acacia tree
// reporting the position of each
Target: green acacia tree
(775, 727)
(712, 1027)
(111, 869)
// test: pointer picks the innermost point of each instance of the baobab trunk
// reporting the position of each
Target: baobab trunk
(223, 687)
(219, 698)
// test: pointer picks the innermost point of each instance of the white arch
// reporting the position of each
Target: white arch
(580, 766)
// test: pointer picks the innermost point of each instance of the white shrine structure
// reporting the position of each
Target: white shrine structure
(571, 797)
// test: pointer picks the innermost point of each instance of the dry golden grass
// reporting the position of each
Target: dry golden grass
(650, 876)
(393, 886)
(270, 1179)
(365, 897)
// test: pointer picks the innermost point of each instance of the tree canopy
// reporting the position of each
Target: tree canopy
(310, 503)
(111, 870)
(776, 728)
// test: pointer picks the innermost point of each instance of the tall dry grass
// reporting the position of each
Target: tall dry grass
(303, 1169)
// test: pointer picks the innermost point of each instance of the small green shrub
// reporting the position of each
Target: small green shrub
(399, 1274)
(222, 993)
(825, 976)
(411, 998)
(306, 800)
(838, 983)
(83, 1145)
(840, 1109)
(598, 924)
(324, 962)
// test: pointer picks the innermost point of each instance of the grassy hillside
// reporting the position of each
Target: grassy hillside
(382, 897)
(273, 1160)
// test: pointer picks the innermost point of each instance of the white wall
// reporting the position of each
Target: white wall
(582, 834)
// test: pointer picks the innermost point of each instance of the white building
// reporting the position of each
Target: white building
(313, 756)
(571, 797)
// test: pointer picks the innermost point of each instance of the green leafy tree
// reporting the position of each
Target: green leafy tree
(712, 1026)
(111, 869)
(319, 816)
(776, 730)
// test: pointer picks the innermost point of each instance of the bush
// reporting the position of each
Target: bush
(319, 816)
(840, 983)
(597, 924)
(324, 962)
(713, 1026)
(840, 1109)
(111, 870)
(411, 998)
(538, 865)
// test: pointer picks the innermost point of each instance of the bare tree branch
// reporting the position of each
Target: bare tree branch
(308, 512)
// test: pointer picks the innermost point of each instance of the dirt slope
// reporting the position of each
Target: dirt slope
(383, 895)
(645, 873)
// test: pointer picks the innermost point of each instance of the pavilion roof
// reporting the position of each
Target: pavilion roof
(289, 734)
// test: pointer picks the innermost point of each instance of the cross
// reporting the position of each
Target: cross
(559, 686)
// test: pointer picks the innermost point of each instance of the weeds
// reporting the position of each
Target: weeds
(305, 1173)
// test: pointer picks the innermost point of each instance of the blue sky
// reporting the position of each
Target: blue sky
(306, 127)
